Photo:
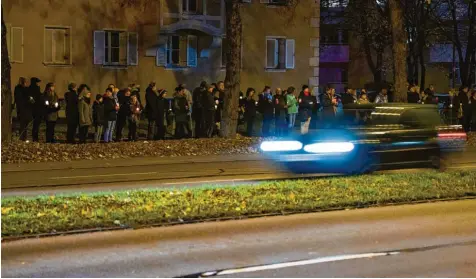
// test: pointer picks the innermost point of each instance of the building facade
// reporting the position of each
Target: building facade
(99, 42)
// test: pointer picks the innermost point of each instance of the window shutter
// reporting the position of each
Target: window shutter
(123, 48)
(9, 39)
(17, 44)
(48, 51)
(192, 42)
(99, 47)
(132, 49)
(290, 54)
(162, 52)
(67, 49)
(271, 53)
(59, 46)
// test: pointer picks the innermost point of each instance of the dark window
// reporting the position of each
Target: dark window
(112, 47)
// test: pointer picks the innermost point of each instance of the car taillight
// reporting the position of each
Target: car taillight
(452, 136)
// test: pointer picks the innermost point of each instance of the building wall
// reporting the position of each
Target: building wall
(86, 16)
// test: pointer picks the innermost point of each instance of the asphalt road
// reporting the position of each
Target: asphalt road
(122, 174)
(425, 240)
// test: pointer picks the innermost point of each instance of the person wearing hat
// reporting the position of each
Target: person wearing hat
(162, 107)
(181, 108)
(51, 103)
(85, 112)
(98, 117)
(38, 109)
(306, 103)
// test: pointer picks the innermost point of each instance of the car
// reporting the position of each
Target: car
(371, 137)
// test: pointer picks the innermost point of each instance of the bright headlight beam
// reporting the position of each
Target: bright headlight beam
(329, 147)
(281, 145)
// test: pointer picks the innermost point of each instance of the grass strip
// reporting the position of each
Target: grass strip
(45, 214)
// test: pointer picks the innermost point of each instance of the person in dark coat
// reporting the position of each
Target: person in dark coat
(72, 113)
(162, 107)
(110, 114)
(208, 111)
(412, 96)
(123, 113)
(197, 108)
(329, 104)
(219, 100)
(85, 113)
(306, 103)
(250, 111)
(98, 118)
(151, 108)
(23, 107)
(472, 107)
(266, 108)
(181, 108)
(52, 106)
(38, 107)
(349, 97)
(280, 108)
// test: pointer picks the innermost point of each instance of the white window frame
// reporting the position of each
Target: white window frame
(223, 65)
(186, 8)
(53, 46)
(129, 51)
(10, 41)
(286, 66)
(166, 46)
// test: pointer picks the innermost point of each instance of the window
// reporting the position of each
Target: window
(189, 6)
(15, 43)
(279, 53)
(115, 48)
(177, 51)
(57, 42)
(332, 35)
(334, 3)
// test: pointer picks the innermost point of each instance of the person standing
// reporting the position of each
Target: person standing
(250, 111)
(135, 91)
(280, 108)
(110, 114)
(72, 113)
(51, 103)
(85, 114)
(292, 106)
(266, 108)
(37, 106)
(162, 107)
(98, 118)
(134, 118)
(208, 110)
(151, 108)
(472, 108)
(382, 97)
(181, 109)
(197, 108)
(329, 104)
(306, 103)
(123, 113)
(23, 107)
(465, 118)
(412, 96)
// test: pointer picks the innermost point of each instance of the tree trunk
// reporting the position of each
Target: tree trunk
(233, 67)
(423, 69)
(6, 88)
(399, 51)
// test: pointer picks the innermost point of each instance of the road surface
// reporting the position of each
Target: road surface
(122, 174)
(425, 240)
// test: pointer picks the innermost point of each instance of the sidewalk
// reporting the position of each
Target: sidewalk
(124, 162)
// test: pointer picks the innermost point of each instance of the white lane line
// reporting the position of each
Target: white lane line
(101, 175)
(297, 263)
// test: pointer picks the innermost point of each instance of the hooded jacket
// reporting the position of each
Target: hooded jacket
(85, 111)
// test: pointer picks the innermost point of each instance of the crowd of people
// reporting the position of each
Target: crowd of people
(109, 113)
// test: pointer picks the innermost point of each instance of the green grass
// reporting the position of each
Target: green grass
(23, 216)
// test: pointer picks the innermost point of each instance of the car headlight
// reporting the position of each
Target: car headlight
(329, 147)
(281, 145)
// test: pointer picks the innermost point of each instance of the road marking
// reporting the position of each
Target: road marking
(296, 263)
(102, 175)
